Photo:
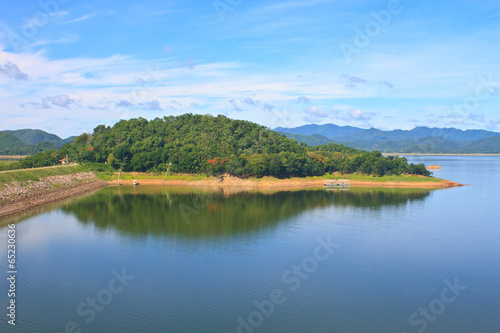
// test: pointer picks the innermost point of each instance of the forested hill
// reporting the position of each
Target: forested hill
(215, 145)
(29, 141)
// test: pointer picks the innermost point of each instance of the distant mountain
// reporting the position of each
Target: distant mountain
(417, 140)
(29, 142)
(351, 134)
(310, 140)
(327, 130)
(34, 136)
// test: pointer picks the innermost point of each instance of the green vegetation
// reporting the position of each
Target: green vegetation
(193, 213)
(12, 145)
(34, 136)
(109, 176)
(204, 144)
(426, 145)
(29, 142)
(9, 165)
(37, 174)
(391, 178)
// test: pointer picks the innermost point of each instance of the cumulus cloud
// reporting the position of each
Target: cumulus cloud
(352, 81)
(481, 118)
(316, 112)
(12, 71)
(253, 102)
(151, 105)
(235, 106)
(123, 104)
(493, 124)
(267, 107)
(359, 115)
(249, 101)
(303, 99)
(354, 115)
(96, 107)
(62, 100)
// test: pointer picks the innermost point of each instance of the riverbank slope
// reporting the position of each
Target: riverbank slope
(17, 196)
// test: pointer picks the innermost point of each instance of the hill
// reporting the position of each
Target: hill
(328, 130)
(417, 140)
(216, 145)
(351, 134)
(29, 141)
(34, 136)
(10, 142)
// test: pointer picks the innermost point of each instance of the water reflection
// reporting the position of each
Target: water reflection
(189, 212)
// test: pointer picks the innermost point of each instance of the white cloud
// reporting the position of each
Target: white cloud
(359, 115)
(61, 100)
(151, 105)
(303, 99)
(316, 112)
(12, 71)
(81, 18)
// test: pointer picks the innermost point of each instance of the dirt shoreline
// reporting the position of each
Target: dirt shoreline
(16, 198)
(273, 183)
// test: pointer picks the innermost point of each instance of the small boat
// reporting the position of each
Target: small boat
(136, 183)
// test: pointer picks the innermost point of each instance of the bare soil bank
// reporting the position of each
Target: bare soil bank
(274, 183)
(16, 197)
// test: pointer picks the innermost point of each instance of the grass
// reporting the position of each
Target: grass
(109, 176)
(383, 179)
(37, 173)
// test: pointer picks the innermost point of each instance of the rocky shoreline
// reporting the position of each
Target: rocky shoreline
(16, 197)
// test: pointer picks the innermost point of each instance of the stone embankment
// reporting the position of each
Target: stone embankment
(16, 197)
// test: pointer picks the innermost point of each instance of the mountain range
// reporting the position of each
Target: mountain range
(417, 140)
(29, 141)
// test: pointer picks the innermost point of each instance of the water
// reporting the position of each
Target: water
(220, 261)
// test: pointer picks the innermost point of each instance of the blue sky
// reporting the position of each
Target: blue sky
(67, 66)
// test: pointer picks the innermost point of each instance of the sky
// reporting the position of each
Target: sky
(67, 66)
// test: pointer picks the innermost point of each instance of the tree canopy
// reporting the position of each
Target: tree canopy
(216, 145)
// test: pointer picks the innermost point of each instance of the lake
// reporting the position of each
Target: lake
(163, 259)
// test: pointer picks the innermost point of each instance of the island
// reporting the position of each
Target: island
(198, 150)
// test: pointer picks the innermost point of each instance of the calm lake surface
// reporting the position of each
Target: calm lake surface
(162, 259)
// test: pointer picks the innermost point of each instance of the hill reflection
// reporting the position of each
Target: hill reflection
(189, 212)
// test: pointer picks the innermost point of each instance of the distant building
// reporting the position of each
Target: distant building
(64, 161)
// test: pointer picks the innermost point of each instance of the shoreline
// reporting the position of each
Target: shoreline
(274, 183)
(20, 198)
(17, 198)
